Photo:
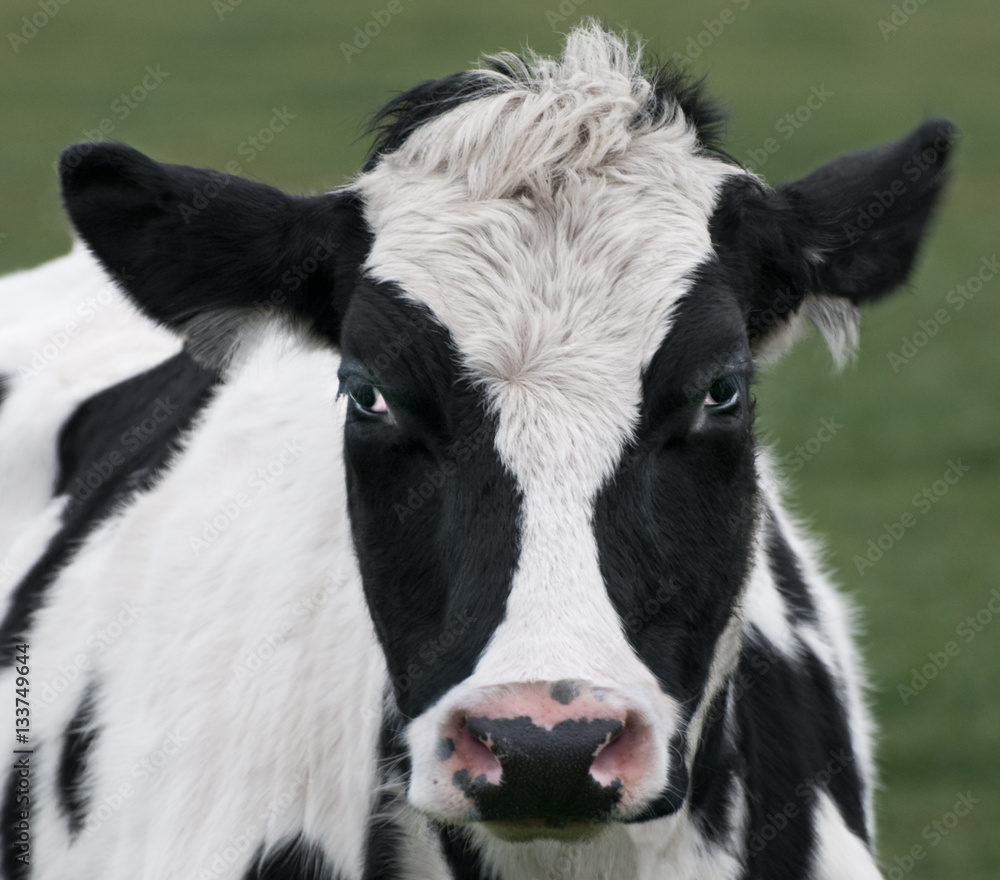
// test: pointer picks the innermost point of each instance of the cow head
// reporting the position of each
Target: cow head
(549, 291)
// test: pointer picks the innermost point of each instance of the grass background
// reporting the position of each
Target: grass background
(228, 65)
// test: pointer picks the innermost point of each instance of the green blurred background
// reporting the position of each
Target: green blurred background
(223, 67)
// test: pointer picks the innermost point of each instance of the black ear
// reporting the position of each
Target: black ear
(847, 233)
(196, 248)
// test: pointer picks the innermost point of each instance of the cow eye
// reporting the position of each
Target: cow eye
(723, 394)
(364, 396)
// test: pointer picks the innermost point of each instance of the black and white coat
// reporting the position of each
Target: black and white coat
(441, 547)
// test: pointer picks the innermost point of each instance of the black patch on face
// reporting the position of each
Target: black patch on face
(295, 859)
(4, 388)
(17, 798)
(675, 522)
(794, 738)
(434, 513)
(461, 855)
(545, 772)
(787, 575)
(564, 692)
(77, 743)
(445, 749)
(115, 444)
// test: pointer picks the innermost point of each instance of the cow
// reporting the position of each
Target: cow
(418, 529)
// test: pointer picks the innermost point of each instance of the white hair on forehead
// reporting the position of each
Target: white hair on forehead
(551, 223)
(548, 119)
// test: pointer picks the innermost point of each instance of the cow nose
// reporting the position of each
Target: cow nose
(549, 754)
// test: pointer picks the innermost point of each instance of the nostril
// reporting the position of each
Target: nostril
(474, 748)
(480, 729)
(621, 753)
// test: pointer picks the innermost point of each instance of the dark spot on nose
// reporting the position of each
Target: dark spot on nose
(564, 691)
(445, 748)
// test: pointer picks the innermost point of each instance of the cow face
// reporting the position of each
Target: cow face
(548, 293)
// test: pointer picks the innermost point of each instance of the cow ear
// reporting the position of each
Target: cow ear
(204, 252)
(844, 235)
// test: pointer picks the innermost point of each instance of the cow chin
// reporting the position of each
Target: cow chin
(529, 831)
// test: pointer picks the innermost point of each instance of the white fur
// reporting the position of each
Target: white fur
(300, 732)
(841, 854)
(831, 641)
(65, 333)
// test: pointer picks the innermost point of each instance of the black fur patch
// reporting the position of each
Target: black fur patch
(787, 574)
(385, 845)
(4, 389)
(794, 741)
(676, 521)
(462, 857)
(713, 775)
(77, 742)
(294, 859)
(115, 444)
(434, 512)
(677, 789)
